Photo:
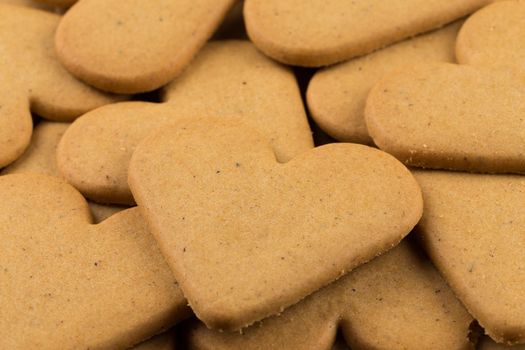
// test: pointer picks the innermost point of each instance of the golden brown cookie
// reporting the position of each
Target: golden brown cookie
(337, 95)
(32, 79)
(247, 236)
(396, 301)
(130, 46)
(69, 284)
(323, 32)
(227, 78)
(493, 37)
(40, 158)
(447, 116)
(473, 229)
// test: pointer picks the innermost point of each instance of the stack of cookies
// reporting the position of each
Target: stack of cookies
(262, 174)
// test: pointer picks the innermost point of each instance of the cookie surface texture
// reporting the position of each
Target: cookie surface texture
(135, 54)
(447, 116)
(327, 32)
(40, 158)
(472, 228)
(377, 306)
(220, 204)
(228, 78)
(337, 95)
(493, 37)
(33, 80)
(63, 276)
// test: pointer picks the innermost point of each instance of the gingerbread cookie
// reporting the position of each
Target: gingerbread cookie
(40, 158)
(130, 46)
(396, 301)
(69, 284)
(228, 78)
(326, 32)
(247, 236)
(32, 79)
(337, 95)
(449, 116)
(493, 37)
(473, 229)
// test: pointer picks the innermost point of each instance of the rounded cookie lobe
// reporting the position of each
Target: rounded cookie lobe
(227, 78)
(309, 219)
(447, 116)
(473, 230)
(62, 275)
(397, 301)
(326, 32)
(40, 158)
(493, 37)
(131, 46)
(27, 37)
(16, 123)
(336, 95)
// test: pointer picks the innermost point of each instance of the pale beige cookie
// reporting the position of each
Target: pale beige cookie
(396, 301)
(337, 95)
(247, 236)
(40, 158)
(494, 37)
(227, 78)
(67, 284)
(131, 46)
(32, 79)
(473, 228)
(232, 78)
(449, 116)
(323, 32)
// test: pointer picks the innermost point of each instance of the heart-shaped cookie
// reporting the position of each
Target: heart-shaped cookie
(447, 116)
(32, 79)
(473, 228)
(247, 236)
(336, 95)
(227, 78)
(131, 46)
(67, 284)
(397, 301)
(493, 37)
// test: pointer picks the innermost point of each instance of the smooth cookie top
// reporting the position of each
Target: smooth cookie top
(447, 116)
(323, 32)
(473, 229)
(337, 95)
(77, 285)
(227, 78)
(255, 232)
(397, 301)
(494, 37)
(131, 46)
